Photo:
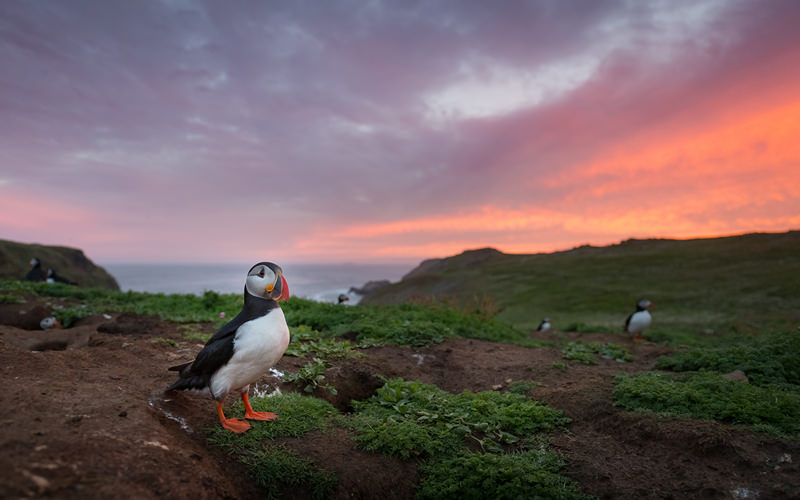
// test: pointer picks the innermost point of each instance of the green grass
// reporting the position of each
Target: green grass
(276, 467)
(522, 386)
(11, 298)
(585, 352)
(182, 308)
(407, 419)
(406, 324)
(472, 445)
(310, 376)
(707, 395)
(766, 359)
(491, 443)
(412, 325)
(739, 285)
(526, 474)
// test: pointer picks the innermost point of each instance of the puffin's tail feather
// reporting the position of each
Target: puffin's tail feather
(187, 383)
(179, 368)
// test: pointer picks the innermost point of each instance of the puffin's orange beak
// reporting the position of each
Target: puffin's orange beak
(284, 289)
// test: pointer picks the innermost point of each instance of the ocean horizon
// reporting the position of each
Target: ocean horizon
(320, 282)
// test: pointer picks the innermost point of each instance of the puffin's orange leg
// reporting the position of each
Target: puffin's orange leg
(232, 424)
(255, 415)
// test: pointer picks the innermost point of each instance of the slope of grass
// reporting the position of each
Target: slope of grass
(735, 284)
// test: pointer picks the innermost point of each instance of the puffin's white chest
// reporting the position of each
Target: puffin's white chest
(257, 347)
(639, 321)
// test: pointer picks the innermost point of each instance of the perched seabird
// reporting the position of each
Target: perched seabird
(53, 277)
(49, 322)
(343, 297)
(639, 320)
(36, 273)
(243, 349)
(544, 326)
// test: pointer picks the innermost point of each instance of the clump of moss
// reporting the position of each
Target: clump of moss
(767, 360)
(709, 396)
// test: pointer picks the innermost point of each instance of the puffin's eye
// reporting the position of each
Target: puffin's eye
(261, 273)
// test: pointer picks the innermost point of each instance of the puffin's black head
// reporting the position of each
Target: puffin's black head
(35, 262)
(265, 280)
(643, 304)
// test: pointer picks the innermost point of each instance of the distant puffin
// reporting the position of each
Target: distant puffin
(36, 273)
(243, 349)
(49, 322)
(544, 326)
(639, 320)
(342, 298)
(53, 277)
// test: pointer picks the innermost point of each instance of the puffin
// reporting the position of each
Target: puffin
(544, 326)
(242, 350)
(36, 272)
(53, 277)
(639, 320)
(49, 323)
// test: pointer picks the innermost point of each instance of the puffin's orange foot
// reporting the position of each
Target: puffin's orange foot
(260, 415)
(235, 425)
(638, 339)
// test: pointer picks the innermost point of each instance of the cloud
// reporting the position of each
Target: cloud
(382, 129)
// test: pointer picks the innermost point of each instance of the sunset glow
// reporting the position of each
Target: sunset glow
(192, 131)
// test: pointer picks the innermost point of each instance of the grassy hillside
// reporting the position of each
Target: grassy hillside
(735, 284)
(68, 262)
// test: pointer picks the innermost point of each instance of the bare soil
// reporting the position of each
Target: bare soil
(83, 415)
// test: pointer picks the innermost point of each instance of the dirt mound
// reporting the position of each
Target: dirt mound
(89, 420)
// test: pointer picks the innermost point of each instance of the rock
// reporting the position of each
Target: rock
(369, 287)
(737, 376)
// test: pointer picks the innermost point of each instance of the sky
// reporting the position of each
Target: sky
(393, 131)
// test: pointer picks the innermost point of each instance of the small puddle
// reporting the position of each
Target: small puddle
(157, 401)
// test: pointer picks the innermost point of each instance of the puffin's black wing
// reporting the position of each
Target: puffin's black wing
(628, 322)
(217, 351)
(219, 348)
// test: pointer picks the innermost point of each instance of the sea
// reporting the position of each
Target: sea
(319, 282)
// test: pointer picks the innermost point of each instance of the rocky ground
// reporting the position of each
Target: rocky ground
(83, 416)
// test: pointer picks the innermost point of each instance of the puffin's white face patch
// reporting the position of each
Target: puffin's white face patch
(258, 279)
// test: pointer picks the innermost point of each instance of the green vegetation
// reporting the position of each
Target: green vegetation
(411, 419)
(522, 386)
(311, 375)
(182, 308)
(275, 467)
(11, 298)
(414, 419)
(162, 340)
(406, 324)
(707, 395)
(766, 359)
(414, 325)
(307, 341)
(584, 352)
(526, 474)
(272, 466)
(738, 284)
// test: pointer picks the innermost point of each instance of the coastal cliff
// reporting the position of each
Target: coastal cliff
(70, 263)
